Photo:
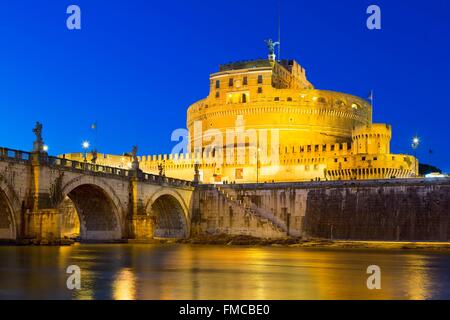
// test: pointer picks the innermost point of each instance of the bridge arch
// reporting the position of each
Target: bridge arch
(9, 209)
(98, 208)
(169, 213)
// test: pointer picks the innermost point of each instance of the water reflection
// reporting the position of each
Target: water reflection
(216, 272)
(124, 287)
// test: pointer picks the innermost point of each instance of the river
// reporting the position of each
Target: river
(145, 271)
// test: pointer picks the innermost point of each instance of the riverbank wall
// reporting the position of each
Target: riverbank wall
(384, 210)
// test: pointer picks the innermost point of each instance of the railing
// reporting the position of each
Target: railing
(15, 155)
(26, 157)
(86, 166)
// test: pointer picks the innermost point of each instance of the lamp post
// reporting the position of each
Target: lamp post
(85, 146)
(415, 144)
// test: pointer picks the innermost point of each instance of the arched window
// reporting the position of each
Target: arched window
(260, 79)
(339, 103)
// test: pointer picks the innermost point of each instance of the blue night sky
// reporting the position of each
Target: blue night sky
(137, 65)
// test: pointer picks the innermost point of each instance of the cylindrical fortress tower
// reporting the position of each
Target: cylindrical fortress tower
(275, 126)
(276, 95)
(372, 139)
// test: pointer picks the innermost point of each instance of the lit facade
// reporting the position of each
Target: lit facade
(272, 125)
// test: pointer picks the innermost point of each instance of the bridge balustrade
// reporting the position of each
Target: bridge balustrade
(27, 157)
(15, 155)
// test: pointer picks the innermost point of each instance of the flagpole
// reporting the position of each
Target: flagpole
(372, 100)
(371, 105)
(94, 127)
(279, 30)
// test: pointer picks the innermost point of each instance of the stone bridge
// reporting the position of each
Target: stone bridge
(46, 199)
(42, 197)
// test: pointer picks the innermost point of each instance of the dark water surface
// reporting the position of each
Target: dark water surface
(135, 271)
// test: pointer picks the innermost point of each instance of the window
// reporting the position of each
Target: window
(277, 99)
(289, 99)
(217, 84)
(363, 158)
(239, 173)
(339, 103)
(244, 98)
(260, 79)
(245, 81)
(259, 90)
(375, 158)
(230, 82)
(217, 94)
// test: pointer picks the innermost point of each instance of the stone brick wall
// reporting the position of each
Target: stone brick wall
(215, 212)
(412, 212)
(409, 209)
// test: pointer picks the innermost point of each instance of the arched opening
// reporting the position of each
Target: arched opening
(70, 222)
(169, 218)
(7, 230)
(88, 213)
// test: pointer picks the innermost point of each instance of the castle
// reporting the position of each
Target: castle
(263, 121)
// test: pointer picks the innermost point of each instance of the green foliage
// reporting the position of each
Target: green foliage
(427, 168)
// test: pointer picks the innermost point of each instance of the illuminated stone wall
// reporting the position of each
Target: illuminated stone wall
(408, 209)
(215, 213)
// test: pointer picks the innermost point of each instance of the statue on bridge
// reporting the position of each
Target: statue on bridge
(196, 172)
(135, 160)
(94, 156)
(38, 144)
(162, 168)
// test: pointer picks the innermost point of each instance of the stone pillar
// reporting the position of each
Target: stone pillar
(42, 219)
(140, 223)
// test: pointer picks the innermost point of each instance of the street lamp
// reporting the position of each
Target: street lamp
(85, 146)
(415, 144)
(45, 148)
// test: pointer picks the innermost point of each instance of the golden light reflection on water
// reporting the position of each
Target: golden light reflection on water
(220, 272)
(418, 278)
(124, 287)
